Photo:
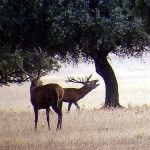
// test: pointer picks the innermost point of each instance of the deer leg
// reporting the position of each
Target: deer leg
(69, 106)
(50, 111)
(59, 120)
(76, 104)
(59, 113)
(47, 117)
(36, 116)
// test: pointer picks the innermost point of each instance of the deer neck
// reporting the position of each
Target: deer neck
(31, 91)
(84, 91)
(32, 88)
(34, 84)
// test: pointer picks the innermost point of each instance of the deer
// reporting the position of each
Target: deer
(73, 95)
(44, 96)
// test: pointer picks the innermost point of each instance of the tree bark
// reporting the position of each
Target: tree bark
(104, 69)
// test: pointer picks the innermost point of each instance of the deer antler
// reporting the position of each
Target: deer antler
(88, 78)
(71, 79)
(21, 68)
(39, 54)
(81, 79)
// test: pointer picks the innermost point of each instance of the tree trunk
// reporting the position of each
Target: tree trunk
(104, 69)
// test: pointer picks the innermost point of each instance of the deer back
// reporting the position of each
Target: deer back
(71, 94)
(74, 94)
(46, 95)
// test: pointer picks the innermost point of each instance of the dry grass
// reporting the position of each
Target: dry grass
(89, 130)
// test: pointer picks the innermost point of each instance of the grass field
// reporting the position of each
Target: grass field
(84, 129)
(91, 128)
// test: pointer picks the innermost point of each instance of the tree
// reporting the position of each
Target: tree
(81, 29)
(98, 28)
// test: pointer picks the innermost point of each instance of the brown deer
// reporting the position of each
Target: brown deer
(72, 95)
(44, 96)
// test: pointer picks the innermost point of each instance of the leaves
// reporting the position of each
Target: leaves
(71, 30)
(11, 73)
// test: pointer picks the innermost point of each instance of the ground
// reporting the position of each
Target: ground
(121, 129)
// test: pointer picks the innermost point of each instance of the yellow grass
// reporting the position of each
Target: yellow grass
(84, 129)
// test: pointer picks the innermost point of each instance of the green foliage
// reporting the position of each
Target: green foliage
(141, 8)
(74, 27)
(108, 27)
(11, 73)
(70, 30)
